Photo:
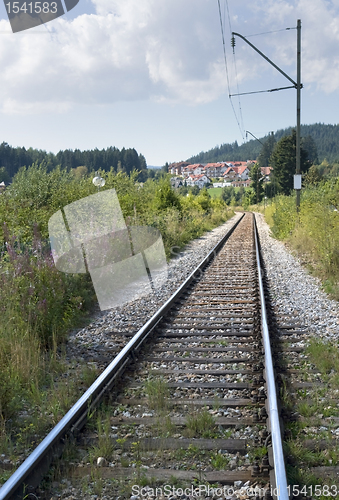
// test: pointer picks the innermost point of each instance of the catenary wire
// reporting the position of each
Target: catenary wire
(235, 69)
(226, 68)
(268, 32)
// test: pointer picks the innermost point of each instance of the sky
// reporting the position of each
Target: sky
(151, 75)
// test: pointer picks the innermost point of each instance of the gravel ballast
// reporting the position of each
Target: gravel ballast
(95, 342)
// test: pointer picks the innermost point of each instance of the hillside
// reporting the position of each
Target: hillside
(326, 138)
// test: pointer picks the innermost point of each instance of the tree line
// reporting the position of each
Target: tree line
(124, 160)
(324, 137)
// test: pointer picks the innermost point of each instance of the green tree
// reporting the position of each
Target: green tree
(283, 160)
(309, 145)
(267, 149)
(204, 199)
(165, 197)
(313, 176)
(4, 176)
(257, 183)
(227, 194)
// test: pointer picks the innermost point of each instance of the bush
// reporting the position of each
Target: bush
(284, 217)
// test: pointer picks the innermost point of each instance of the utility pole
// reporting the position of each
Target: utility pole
(297, 178)
(298, 86)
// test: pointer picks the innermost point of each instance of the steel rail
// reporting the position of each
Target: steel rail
(31, 470)
(279, 488)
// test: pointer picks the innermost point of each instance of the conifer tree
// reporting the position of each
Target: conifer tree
(283, 161)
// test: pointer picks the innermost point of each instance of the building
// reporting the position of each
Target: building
(176, 168)
(241, 183)
(177, 182)
(267, 173)
(215, 169)
(230, 174)
(198, 180)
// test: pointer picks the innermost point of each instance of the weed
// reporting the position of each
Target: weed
(124, 461)
(227, 433)
(200, 424)
(191, 452)
(97, 481)
(88, 374)
(306, 410)
(164, 426)
(219, 461)
(157, 392)
(105, 445)
(298, 454)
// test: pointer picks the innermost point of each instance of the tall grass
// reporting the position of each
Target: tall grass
(314, 232)
(38, 305)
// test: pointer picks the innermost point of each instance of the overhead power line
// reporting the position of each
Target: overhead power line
(226, 68)
(269, 32)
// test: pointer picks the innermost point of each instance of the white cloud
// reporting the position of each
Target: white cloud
(320, 38)
(168, 50)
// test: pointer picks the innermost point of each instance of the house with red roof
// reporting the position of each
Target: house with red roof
(266, 171)
(176, 168)
(197, 180)
(230, 174)
(215, 169)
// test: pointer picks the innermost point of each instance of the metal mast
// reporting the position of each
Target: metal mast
(298, 173)
(297, 85)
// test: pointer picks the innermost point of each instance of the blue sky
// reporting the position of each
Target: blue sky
(150, 74)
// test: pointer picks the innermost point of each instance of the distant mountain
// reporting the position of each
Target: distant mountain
(326, 138)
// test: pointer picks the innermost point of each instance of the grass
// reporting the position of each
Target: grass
(200, 424)
(105, 445)
(324, 355)
(314, 234)
(215, 192)
(219, 461)
(257, 454)
(164, 426)
(191, 452)
(157, 392)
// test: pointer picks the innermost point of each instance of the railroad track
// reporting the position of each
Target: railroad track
(192, 394)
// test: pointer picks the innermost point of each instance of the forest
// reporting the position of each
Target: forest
(325, 137)
(124, 160)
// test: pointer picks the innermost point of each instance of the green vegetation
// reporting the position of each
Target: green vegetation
(283, 161)
(233, 196)
(105, 445)
(215, 192)
(313, 234)
(39, 304)
(157, 392)
(319, 140)
(324, 355)
(200, 424)
(256, 192)
(219, 461)
(126, 160)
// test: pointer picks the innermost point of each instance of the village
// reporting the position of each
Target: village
(221, 174)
